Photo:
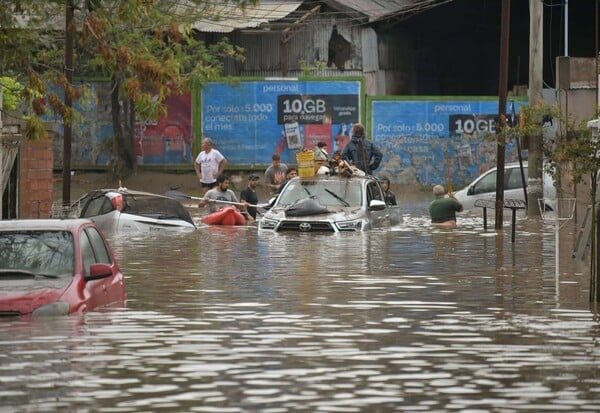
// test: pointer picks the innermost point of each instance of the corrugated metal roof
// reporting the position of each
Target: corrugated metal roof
(228, 17)
(384, 9)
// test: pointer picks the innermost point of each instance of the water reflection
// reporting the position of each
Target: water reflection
(410, 319)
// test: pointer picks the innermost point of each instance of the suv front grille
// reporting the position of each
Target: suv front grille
(301, 226)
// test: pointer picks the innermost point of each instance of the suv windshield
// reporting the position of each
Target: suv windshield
(329, 192)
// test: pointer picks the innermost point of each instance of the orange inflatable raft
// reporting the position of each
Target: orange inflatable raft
(226, 216)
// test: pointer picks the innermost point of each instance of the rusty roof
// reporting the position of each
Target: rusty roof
(227, 17)
(376, 10)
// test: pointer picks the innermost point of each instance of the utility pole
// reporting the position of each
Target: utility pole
(501, 128)
(67, 123)
(535, 164)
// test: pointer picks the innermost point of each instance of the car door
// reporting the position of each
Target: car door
(102, 290)
(513, 183)
(377, 218)
(485, 187)
(100, 210)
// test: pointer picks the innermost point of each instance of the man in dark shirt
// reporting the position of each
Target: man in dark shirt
(248, 196)
(390, 197)
(361, 152)
(443, 208)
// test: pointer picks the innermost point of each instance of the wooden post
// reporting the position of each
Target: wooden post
(501, 127)
(67, 123)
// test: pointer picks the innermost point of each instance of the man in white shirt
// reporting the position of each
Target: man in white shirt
(209, 164)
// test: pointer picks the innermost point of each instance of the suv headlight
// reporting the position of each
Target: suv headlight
(267, 223)
(354, 225)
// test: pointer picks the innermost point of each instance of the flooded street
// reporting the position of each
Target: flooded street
(407, 319)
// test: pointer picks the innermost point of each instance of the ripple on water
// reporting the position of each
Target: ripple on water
(411, 319)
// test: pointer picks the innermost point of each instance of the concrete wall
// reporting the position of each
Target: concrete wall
(576, 96)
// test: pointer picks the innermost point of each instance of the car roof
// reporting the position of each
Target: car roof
(126, 191)
(43, 224)
(335, 178)
(509, 165)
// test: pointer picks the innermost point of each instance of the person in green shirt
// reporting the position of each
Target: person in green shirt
(443, 208)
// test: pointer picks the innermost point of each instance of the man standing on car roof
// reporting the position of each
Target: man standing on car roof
(361, 152)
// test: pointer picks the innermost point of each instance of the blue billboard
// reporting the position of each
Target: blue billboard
(249, 121)
(428, 141)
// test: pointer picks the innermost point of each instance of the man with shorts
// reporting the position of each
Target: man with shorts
(209, 164)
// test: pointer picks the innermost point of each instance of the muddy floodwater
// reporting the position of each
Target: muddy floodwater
(413, 319)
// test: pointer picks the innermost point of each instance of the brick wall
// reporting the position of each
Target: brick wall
(35, 179)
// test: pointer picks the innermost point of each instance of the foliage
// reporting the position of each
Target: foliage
(11, 91)
(308, 69)
(533, 119)
(148, 49)
(582, 153)
(34, 129)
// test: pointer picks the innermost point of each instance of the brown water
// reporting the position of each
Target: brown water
(408, 319)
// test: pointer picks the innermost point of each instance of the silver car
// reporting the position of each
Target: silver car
(330, 204)
(126, 210)
(484, 187)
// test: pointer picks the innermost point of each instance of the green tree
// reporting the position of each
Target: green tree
(147, 49)
(11, 92)
(582, 154)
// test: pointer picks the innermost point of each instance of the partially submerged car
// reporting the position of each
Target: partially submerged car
(330, 204)
(56, 267)
(126, 210)
(484, 187)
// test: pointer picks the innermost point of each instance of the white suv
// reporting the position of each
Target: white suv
(484, 186)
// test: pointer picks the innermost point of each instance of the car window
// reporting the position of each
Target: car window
(97, 206)
(39, 252)
(334, 192)
(374, 192)
(486, 184)
(100, 252)
(87, 253)
(514, 179)
(155, 207)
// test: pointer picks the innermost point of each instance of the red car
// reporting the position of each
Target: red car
(56, 267)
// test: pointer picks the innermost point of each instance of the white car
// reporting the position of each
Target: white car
(484, 187)
(126, 210)
(324, 203)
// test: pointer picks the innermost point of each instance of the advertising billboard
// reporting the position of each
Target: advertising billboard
(249, 121)
(427, 140)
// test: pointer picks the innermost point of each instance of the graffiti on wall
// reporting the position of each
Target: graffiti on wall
(426, 141)
(91, 128)
(169, 139)
(166, 141)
